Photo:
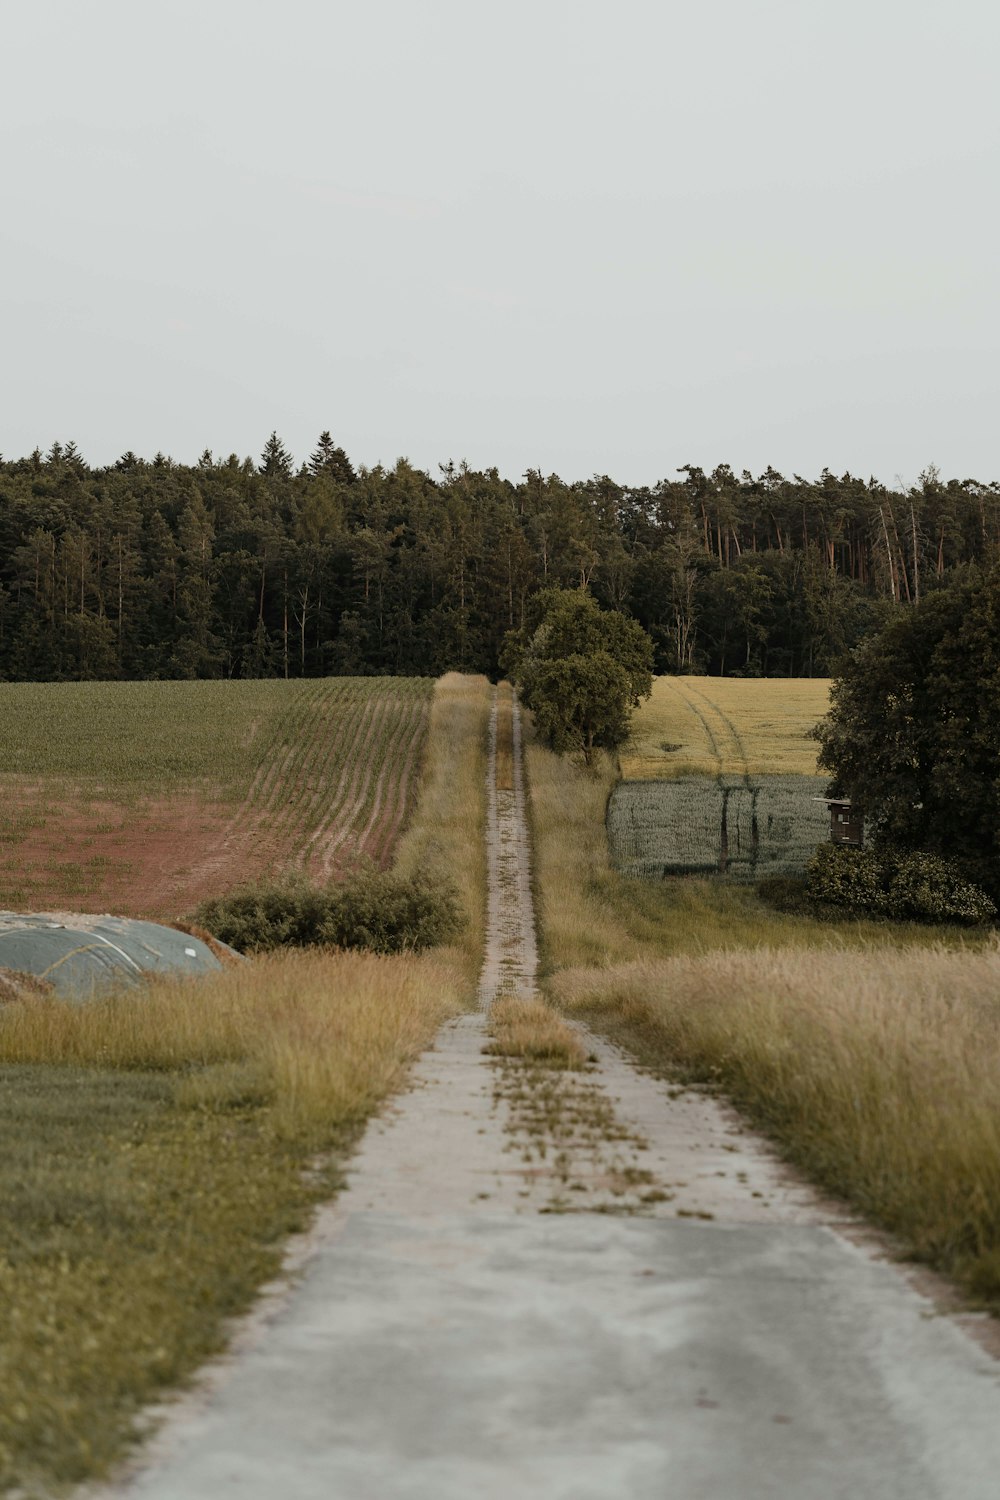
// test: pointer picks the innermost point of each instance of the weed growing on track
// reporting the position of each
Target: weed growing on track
(530, 1029)
(561, 1121)
(505, 738)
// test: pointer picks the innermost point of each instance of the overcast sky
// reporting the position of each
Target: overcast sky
(584, 237)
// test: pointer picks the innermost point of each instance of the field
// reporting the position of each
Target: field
(720, 778)
(158, 1147)
(726, 726)
(695, 825)
(145, 797)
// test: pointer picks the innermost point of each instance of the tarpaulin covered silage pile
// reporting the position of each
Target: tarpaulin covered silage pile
(79, 954)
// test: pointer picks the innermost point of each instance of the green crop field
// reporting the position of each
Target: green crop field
(720, 778)
(143, 797)
(696, 825)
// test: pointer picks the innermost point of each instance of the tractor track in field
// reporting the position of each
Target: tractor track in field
(343, 812)
(389, 810)
(333, 785)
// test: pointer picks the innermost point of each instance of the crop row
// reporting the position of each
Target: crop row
(321, 769)
(334, 777)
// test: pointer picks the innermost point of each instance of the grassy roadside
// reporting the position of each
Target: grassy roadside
(155, 1150)
(591, 915)
(447, 835)
(157, 1147)
(868, 1052)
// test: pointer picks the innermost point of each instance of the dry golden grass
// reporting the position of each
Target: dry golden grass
(447, 834)
(877, 1071)
(530, 1029)
(869, 1051)
(505, 738)
(590, 915)
(730, 725)
(156, 1148)
(321, 1037)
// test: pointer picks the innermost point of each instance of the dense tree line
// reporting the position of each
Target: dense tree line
(231, 567)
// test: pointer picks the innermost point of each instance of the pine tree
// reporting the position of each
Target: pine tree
(329, 459)
(276, 461)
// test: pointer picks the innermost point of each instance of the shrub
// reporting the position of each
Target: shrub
(927, 888)
(265, 915)
(915, 886)
(847, 877)
(383, 913)
(389, 914)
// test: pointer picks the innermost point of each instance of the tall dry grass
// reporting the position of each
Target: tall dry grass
(319, 1037)
(877, 1071)
(589, 914)
(447, 835)
(567, 803)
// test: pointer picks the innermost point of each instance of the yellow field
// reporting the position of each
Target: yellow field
(728, 725)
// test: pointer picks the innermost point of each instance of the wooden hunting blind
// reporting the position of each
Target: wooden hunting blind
(847, 824)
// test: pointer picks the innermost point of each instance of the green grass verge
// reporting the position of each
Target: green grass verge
(132, 1228)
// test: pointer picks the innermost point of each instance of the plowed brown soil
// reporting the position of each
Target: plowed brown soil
(339, 793)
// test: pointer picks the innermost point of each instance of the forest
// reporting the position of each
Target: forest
(233, 567)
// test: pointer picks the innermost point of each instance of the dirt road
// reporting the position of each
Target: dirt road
(643, 1303)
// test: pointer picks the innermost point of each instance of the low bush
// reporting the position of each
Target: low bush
(908, 887)
(390, 914)
(381, 912)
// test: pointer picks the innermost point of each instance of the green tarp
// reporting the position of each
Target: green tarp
(79, 954)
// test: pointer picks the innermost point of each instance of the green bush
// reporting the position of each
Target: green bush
(907, 887)
(927, 888)
(371, 909)
(842, 876)
(390, 915)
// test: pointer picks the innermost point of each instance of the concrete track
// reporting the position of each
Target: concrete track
(701, 1325)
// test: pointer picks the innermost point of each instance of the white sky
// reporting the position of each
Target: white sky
(550, 233)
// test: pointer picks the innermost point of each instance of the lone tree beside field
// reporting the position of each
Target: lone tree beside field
(580, 669)
(913, 734)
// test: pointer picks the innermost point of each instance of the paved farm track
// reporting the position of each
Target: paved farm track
(458, 1328)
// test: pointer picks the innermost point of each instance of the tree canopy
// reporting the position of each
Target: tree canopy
(581, 670)
(913, 734)
(237, 566)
